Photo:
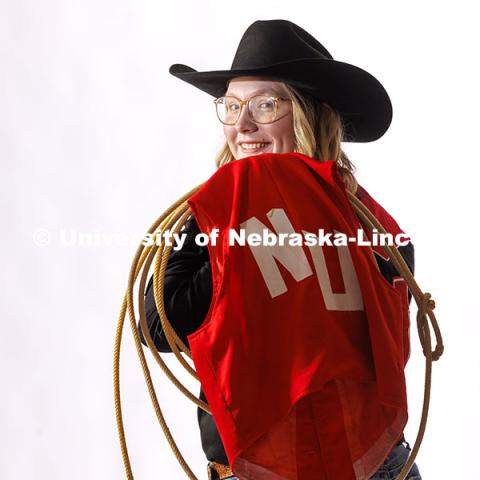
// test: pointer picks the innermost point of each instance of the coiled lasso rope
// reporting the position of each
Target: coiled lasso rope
(172, 220)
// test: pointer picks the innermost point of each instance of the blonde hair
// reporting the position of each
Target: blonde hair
(318, 131)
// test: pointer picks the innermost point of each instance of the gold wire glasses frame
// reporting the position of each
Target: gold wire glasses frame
(261, 108)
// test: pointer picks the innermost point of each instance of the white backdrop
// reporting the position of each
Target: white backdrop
(96, 137)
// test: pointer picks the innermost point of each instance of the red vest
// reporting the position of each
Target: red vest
(302, 352)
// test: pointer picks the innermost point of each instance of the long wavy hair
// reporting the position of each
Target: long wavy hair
(318, 130)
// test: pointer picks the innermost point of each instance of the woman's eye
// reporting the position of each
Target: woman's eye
(265, 105)
(233, 107)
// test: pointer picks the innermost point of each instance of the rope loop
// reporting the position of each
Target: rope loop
(175, 216)
(425, 314)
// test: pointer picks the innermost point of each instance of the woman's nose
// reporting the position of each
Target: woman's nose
(244, 122)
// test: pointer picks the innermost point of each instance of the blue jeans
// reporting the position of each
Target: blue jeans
(391, 467)
(394, 463)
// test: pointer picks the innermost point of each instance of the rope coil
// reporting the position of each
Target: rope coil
(172, 220)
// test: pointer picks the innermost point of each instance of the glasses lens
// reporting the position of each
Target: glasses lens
(228, 110)
(263, 109)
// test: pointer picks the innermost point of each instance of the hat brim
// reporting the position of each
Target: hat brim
(358, 96)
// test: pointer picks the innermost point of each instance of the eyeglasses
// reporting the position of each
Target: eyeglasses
(261, 109)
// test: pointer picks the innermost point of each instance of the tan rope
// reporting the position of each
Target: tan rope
(139, 259)
(424, 314)
(172, 220)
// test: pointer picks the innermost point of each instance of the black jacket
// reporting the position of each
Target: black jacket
(187, 297)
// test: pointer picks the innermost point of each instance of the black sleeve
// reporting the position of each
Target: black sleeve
(389, 271)
(187, 291)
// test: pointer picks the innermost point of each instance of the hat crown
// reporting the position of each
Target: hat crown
(269, 42)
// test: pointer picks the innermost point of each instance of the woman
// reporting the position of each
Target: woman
(284, 93)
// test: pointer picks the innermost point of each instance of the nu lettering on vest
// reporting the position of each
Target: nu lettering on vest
(301, 355)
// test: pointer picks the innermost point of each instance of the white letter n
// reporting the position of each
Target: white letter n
(292, 257)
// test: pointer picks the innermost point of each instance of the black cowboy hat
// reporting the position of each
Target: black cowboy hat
(282, 51)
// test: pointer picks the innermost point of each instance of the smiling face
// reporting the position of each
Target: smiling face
(246, 137)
